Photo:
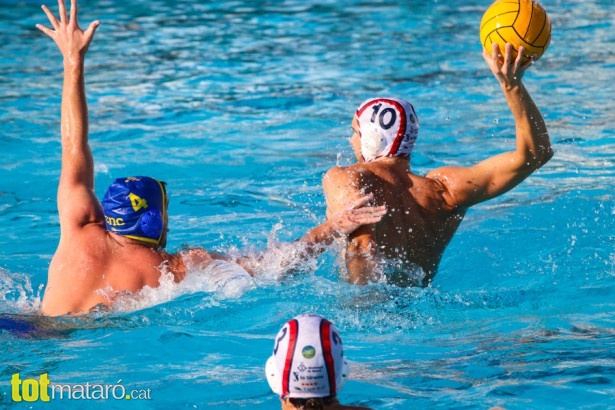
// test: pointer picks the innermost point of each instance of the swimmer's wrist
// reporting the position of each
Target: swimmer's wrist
(336, 232)
(74, 63)
(511, 88)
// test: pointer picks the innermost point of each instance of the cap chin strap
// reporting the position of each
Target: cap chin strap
(274, 377)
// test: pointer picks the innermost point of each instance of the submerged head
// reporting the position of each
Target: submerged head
(308, 360)
(384, 127)
(136, 207)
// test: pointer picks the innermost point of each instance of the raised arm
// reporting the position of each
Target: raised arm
(498, 174)
(77, 204)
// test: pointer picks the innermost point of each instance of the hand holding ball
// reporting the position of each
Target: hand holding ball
(518, 22)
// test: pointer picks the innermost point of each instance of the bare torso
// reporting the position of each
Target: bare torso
(419, 222)
(92, 266)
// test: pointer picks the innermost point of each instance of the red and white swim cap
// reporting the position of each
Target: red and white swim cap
(308, 359)
(388, 128)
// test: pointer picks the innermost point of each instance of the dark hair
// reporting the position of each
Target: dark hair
(313, 403)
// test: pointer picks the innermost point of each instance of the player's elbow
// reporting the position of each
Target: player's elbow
(548, 154)
(538, 158)
(542, 156)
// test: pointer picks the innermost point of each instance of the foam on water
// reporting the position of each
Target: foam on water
(16, 293)
(222, 279)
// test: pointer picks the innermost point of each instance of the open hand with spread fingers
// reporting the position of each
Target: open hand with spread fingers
(72, 41)
(356, 214)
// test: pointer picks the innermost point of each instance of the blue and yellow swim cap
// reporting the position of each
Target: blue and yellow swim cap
(135, 207)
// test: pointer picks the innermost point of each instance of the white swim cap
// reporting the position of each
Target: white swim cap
(388, 128)
(308, 359)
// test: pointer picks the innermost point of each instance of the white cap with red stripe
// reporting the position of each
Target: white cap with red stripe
(308, 359)
(388, 127)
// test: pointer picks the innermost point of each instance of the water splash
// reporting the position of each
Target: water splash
(220, 279)
(17, 294)
(279, 260)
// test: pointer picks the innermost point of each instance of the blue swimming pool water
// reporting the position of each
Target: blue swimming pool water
(241, 107)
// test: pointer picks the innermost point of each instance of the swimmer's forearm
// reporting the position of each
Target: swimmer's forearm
(531, 131)
(343, 222)
(77, 160)
(319, 237)
(73, 43)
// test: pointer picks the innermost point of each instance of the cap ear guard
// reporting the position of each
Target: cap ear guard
(345, 373)
(273, 376)
(372, 146)
(151, 223)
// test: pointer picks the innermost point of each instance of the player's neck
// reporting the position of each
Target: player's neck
(124, 241)
(394, 162)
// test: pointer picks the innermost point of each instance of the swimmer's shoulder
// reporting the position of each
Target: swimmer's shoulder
(352, 175)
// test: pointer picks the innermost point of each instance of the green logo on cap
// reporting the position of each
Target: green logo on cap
(308, 352)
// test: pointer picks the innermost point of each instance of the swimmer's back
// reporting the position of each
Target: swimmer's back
(419, 222)
(90, 267)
